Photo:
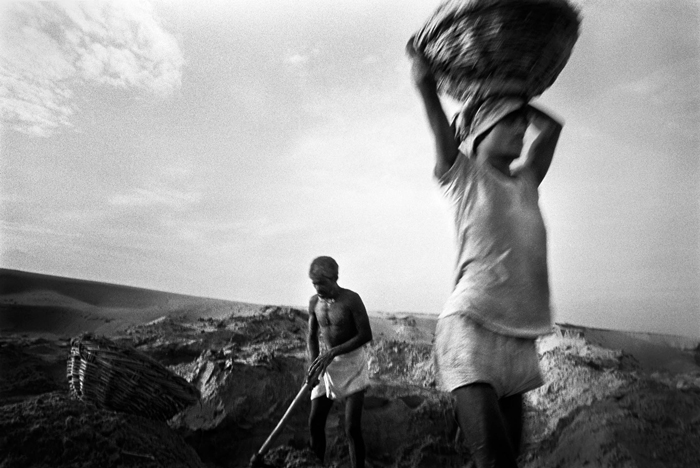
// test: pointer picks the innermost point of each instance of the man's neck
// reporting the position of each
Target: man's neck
(332, 296)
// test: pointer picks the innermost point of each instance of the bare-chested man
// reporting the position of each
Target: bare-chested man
(344, 330)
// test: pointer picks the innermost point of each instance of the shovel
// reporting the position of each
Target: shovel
(310, 383)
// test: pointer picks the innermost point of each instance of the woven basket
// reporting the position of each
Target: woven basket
(122, 379)
(478, 48)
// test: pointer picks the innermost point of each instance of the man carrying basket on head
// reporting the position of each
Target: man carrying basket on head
(485, 336)
(493, 56)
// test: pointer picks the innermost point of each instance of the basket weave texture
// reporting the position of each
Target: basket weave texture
(122, 379)
(480, 48)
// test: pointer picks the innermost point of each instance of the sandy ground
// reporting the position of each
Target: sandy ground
(611, 399)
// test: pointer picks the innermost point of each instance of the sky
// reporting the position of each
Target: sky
(215, 148)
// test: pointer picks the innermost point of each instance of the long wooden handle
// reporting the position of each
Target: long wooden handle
(280, 425)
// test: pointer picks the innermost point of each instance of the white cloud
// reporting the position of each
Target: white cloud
(266, 227)
(673, 95)
(675, 83)
(171, 187)
(371, 59)
(301, 58)
(49, 48)
(296, 59)
(28, 229)
(172, 198)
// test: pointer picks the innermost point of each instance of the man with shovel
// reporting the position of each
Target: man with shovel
(338, 316)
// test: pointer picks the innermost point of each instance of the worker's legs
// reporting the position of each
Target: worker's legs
(512, 411)
(484, 427)
(353, 429)
(320, 407)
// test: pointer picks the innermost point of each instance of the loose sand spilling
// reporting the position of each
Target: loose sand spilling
(611, 399)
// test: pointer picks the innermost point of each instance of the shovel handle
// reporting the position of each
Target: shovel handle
(310, 382)
(280, 425)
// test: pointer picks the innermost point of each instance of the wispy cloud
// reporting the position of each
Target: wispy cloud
(29, 229)
(674, 83)
(296, 59)
(171, 187)
(301, 58)
(673, 91)
(155, 196)
(51, 48)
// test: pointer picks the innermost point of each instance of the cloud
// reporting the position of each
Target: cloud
(26, 229)
(264, 226)
(668, 97)
(672, 84)
(171, 188)
(49, 49)
(155, 196)
(296, 59)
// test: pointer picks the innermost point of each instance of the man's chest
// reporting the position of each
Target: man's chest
(332, 313)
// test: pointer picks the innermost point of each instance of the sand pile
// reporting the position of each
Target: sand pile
(601, 408)
(287, 456)
(251, 369)
(29, 366)
(54, 431)
(398, 362)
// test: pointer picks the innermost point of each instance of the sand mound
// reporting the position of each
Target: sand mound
(288, 456)
(601, 408)
(53, 430)
(30, 366)
(250, 368)
(397, 362)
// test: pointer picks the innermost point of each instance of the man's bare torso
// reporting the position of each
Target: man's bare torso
(335, 318)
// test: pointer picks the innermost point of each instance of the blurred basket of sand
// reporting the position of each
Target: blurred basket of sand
(480, 48)
(120, 378)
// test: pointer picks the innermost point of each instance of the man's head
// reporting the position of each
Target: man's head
(324, 276)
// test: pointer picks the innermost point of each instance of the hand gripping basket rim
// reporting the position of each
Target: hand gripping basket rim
(478, 48)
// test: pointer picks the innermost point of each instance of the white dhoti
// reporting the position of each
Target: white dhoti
(346, 374)
(467, 353)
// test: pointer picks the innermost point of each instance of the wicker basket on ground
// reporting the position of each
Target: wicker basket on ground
(478, 48)
(122, 379)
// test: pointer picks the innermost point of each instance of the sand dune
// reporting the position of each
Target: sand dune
(36, 303)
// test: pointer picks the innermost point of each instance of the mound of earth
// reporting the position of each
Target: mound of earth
(29, 367)
(288, 456)
(252, 368)
(52, 430)
(600, 408)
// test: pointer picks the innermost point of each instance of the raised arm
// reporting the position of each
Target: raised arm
(541, 152)
(446, 145)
